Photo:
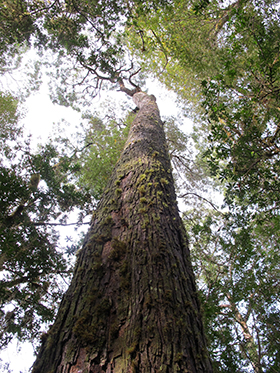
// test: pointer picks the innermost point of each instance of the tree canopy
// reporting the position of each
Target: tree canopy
(222, 59)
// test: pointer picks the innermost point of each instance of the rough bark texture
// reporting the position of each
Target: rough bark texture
(132, 304)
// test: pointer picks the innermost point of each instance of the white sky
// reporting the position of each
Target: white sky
(42, 114)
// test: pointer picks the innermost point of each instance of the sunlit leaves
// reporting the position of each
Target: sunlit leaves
(9, 121)
(236, 254)
(103, 146)
(16, 23)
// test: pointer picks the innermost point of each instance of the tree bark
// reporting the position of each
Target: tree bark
(132, 305)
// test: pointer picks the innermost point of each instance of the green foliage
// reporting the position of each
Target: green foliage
(104, 143)
(244, 122)
(87, 39)
(236, 56)
(222, 57)
(16, 25)
(37, 194)
(175, 44)
(238, 272)
(8, 117)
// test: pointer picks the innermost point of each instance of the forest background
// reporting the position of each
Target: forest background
(222, 61)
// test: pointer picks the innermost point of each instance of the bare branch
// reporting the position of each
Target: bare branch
(131, 82)
(58, 224)
(197, 195)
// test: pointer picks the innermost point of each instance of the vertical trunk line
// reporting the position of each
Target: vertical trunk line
(132, 304)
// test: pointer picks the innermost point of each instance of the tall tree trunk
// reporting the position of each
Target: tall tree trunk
(132, 304)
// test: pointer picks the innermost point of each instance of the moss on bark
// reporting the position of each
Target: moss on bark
(132, 304)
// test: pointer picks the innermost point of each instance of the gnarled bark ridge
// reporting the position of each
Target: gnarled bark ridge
(132, 304)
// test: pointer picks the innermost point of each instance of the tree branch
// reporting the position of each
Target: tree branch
(129, 92)
(58, 224)
(197, 195)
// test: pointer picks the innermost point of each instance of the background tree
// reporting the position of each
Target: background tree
(104, 141)
(37, 194)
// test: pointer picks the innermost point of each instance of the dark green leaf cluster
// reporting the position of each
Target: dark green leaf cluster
(242, 104)
(16, 26)
(240, 265)
(37, 194)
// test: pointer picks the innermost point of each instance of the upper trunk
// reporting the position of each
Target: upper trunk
(132, 304)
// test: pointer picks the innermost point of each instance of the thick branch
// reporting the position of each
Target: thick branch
(129, 92)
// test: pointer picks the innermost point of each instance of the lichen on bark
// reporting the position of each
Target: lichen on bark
(132, 304)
